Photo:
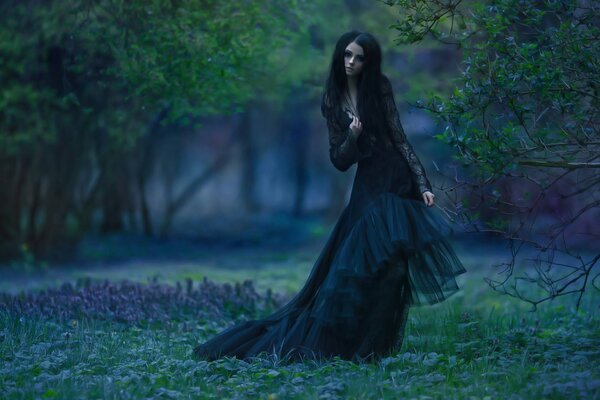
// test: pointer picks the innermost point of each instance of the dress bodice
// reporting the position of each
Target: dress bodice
(372, 143)
(346, 150)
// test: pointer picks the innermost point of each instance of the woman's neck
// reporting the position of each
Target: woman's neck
(352, 93)
(352, 85)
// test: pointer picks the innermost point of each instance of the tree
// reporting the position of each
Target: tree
(87, 87)
(524, 121)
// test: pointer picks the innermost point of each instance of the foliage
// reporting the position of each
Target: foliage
(522, 118)
(482, 349)
(137, 303)
(87, 85)
(203, 58)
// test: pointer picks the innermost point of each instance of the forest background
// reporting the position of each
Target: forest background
(193, 122)
(178, 140)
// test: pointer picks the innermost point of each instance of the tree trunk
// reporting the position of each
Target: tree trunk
(190, 190)
(247, 143)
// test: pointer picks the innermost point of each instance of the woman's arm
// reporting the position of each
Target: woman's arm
(343, 149)
(400, 140)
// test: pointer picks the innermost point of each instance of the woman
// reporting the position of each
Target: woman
(387, 251)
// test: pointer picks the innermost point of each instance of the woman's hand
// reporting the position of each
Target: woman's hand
(355, 126)
(428, 198)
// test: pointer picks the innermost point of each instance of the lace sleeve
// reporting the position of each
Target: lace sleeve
(343, 149)
(401, 142)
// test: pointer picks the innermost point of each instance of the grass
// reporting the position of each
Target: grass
(475, 345)
(280, 272)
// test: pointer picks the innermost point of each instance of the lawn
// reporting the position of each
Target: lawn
(98, 338)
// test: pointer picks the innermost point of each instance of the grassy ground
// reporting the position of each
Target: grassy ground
(476, 345)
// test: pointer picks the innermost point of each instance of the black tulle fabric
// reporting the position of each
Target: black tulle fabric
(387, 252)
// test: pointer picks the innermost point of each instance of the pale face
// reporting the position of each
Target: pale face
(354, 59)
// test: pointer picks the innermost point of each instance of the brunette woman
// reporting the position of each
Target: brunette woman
(388, 250)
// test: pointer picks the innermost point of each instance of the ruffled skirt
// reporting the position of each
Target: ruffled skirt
(355, 302)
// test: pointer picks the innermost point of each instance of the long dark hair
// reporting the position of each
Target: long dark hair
(369, 82)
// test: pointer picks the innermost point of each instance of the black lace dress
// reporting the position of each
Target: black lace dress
(388, 251)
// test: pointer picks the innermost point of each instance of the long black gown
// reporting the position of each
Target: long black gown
(388, 251)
